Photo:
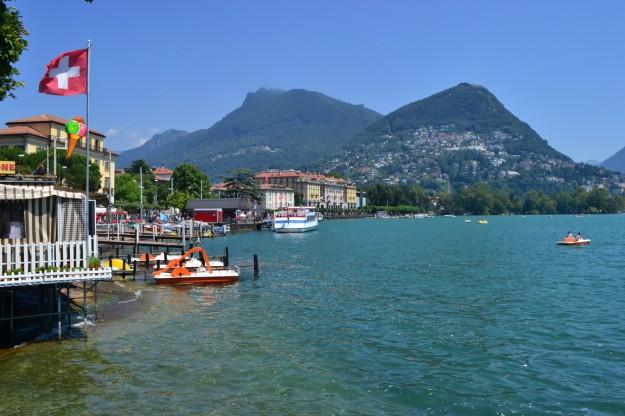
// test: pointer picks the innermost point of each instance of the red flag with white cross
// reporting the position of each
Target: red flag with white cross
(66, 74)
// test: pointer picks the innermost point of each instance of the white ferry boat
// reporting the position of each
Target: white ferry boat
(295, 220)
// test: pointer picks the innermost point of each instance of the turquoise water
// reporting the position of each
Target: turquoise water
(398, 317)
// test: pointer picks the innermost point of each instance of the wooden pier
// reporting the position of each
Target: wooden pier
(140, 243)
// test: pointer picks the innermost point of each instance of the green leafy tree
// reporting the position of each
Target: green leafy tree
(178, 200)
(137, 165)
(241, 183)
(12, 43)
(73, 171)
(127, 189)
(189, 179)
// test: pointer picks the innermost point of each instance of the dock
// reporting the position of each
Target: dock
(140, 243)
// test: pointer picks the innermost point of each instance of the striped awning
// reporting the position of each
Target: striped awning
(26, 192)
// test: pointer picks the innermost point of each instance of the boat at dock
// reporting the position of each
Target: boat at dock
(221, 229)
(295, 220)
(186, 270)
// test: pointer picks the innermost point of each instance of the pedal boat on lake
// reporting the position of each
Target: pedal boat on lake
(572, 241)
(187, 271)
(482, 221)
(295, 220)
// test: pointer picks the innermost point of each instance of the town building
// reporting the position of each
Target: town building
(274, 197)
(162, 174)
(43, 248)
(361, 200)
(43, 226)
(313, 189)
(234, 210)
(46, 132)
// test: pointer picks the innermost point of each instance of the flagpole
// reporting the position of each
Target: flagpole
(87, 153)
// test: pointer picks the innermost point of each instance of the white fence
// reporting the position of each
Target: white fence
(43, 277)
(37, 263)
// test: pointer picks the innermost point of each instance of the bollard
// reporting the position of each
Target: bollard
(134, 270)
(147, 266)
(256, 270)
(158, 264)
(124, 268)
(226, 257)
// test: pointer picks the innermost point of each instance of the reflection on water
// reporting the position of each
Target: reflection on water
(361, 317)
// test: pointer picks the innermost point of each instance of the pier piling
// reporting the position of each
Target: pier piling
(58, 310)
(84, 307)
(256, 269)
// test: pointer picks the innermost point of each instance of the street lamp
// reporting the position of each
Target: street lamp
(141, 194)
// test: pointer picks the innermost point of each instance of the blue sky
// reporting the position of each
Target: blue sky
(558, 65)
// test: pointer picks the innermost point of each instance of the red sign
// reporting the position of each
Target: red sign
(7, 167)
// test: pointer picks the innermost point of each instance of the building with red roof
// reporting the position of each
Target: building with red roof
(46, 132)
(314, 189)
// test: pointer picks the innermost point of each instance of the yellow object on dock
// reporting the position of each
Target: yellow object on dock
(116, 264)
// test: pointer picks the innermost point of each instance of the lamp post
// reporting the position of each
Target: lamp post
(141, 193)
(201, 186)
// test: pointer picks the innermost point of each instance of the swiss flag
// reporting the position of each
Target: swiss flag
(66, 74)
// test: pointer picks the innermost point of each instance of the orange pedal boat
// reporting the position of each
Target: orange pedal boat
(571, 241)
(175, 273)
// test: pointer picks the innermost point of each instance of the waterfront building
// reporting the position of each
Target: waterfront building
(43, 249)
(46, 132)
(42, 226)
(273, 197)
(313, 189)
(233, 209)
(361, 200)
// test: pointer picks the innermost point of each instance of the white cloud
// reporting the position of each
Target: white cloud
(112, 131)
(142, 140)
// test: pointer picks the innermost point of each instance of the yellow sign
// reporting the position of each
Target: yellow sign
(7, 167)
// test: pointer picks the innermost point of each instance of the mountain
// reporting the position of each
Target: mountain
(456, 137)
(616, 161)
(271, 129)
(151, 148)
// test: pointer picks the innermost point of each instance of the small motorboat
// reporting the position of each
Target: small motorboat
(482, 221)
(467, 221)
(571, 241)
(177, 273)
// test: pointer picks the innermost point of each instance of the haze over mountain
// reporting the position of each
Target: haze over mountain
(151, 149)
(616, 162)
(456, 137)
(271, 129)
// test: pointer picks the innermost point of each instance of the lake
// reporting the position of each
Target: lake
(361, 317)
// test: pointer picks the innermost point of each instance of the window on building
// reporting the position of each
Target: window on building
(12, 219)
